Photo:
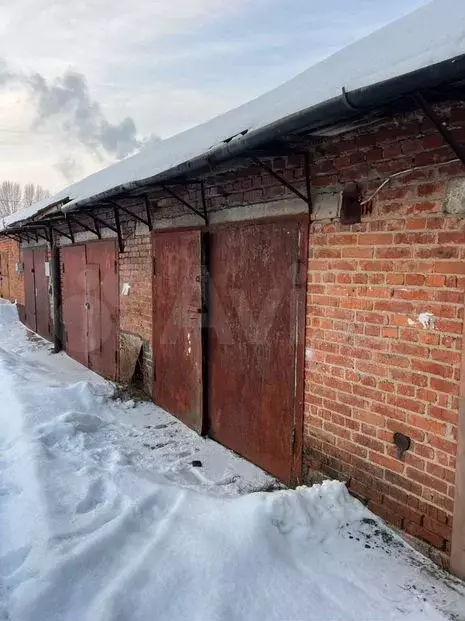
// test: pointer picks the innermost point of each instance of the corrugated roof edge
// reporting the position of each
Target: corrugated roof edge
(323, 114)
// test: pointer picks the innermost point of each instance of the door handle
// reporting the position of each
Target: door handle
(87, 306)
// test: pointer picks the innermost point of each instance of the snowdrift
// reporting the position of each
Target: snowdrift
(89, 532)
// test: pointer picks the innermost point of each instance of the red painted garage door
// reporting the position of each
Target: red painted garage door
(90, 305)
(177, 325)
(255, 313)
(36, 285)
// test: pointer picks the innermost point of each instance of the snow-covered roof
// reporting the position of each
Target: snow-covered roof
(432, 34)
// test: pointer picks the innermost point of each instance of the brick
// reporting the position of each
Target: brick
(443, 445)
(443, 325)
(415, 279)
(446, 415)
(449, 267)
(406, 404)
(452, 237)
(376, 266)
(447, 356)
(391, 333)
(432, 426)
(395, 279)
(435, 281)
(432, 368)
(417, 531)
(378, 239)
(417, 351)
(415, 238)
(444, 386)
(387, 462)
(427, 480)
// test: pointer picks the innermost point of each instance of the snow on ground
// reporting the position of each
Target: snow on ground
(104, 517)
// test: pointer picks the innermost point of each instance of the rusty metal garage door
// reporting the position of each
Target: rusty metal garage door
(102, 307)
(90, 305)
(177, 325)
(29, 291)
(73, 284)
(4, 276)
(37, 302)
(256, 350)
(42, 294)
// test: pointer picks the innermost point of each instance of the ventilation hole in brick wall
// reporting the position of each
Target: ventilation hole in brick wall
(402, 443)
(351, 208)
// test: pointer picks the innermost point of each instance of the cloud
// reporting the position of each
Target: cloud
(70, 168)
(65, 108)
(67, 102)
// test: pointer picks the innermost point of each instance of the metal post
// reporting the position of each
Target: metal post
(57, 301)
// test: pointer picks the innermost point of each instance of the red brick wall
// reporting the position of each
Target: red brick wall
(372, 368)
(135, 268)
(15, 281)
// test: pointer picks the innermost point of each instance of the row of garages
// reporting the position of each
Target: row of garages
(228, 310)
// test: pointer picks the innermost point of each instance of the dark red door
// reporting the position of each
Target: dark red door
(177, 325)
(73, 261)
(92, 304)
(254, 307)
(29, 291)
(42, 294)
(102, 281)
(4, 276)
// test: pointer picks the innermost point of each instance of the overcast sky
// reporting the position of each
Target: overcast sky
(86, 82)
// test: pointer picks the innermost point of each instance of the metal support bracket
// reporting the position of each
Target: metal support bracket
(118, 228)
(307, 198)
(204, 201)
(86, 227)
(132, 214)
(181, 200)
(97, 226)
(34, 229)
(67, 235)
(15, 237)
(148, 213)
(71, 233)
(104, 224)
(442, 128)
(41, 236)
